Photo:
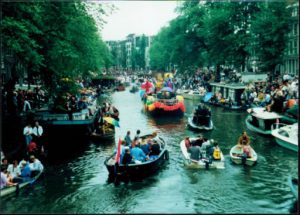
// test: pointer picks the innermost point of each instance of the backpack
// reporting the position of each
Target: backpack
(217, 154)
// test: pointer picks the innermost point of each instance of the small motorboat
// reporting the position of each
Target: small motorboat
(201, 120)
(136, 171)
(237, 156)
(286, 135)
(205, 162)
(14, 189)
(102, 137)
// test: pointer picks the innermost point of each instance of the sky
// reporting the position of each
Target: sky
(138, 17)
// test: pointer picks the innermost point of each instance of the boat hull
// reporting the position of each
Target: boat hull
(197, 127)
(234, 151)
(251, 127)
(13, 189)
(201, 164)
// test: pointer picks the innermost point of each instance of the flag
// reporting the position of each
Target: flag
(118, 155)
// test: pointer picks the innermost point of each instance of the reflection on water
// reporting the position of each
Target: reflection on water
(79, 184)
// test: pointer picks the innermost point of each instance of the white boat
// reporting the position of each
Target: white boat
(286, 135)
(203, 162)
(200, 127)
(191, 94)
(236, 155)
(260, 120)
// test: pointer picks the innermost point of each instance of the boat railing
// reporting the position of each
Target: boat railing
(277, 126)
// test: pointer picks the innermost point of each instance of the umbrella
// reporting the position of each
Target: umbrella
(112, 121)
(208, 96)
(167, 89)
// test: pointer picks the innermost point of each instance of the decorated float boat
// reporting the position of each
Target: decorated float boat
(165, 102)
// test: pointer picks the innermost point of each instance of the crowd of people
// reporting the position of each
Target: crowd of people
(15, 172)
(138, 150)
(202, 148)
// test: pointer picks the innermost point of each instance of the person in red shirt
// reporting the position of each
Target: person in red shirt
(32, 148)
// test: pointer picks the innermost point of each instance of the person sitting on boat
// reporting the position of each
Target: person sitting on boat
(127, 158)
(4, 182)
(35, 166)
(199, 141)
(187, 142)
(32, 148)
(247, 151)
(25, 171)
(14, 171)
(147, 146)
(154, 150)
(138, 133)
(128, 139)
(244, 139)
(138, 154)
(195, 152)
(216, 151)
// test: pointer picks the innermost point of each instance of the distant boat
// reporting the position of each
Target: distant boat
(204, 162)
(194, 95)
(236, 155)
(286, 135)
(13, 189)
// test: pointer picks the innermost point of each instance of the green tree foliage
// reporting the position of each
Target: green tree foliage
(215, 33)
(54, 39)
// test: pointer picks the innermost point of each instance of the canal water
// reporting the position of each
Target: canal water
(79, 185)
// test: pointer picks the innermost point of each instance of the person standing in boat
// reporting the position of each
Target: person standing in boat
(244, 139)
(37, 132)
(27, 133)
(128, 139)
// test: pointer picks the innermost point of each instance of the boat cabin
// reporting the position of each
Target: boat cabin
(233, 90)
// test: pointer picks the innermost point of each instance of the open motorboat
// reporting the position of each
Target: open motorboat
(201, 120)
(286, 135)
(237, 156)
(260, 120)
(204, 162)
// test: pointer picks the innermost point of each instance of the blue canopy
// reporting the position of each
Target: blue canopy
(207, 96)
(167, 89)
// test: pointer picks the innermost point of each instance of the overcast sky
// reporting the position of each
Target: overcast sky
(138, 17)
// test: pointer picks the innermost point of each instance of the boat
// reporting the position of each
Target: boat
(194, 95)
(165, 103)
(260, 120)
(201, 120)
(136, 171)
(14, 189)
(293, 184)
(207, 123)
(134, 89)
(107, 136)
(236, 156)
(286, 135)
(204, 162)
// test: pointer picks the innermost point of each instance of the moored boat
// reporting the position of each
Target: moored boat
(136, 171)
(286, 135)
(205, 161)
(259, 120)
(237, 156)
(14, 189)
(192, 95)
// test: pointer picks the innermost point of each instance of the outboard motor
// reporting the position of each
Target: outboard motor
(244, 158)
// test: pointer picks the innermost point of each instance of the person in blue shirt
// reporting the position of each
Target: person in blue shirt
(25, 171)
(146, 147)
(137, 154)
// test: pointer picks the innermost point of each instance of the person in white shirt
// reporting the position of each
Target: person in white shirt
(37, 132)
(27, 132)
(14, 170)
(35, 165)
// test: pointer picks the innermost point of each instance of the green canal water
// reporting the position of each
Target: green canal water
(79, 185)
